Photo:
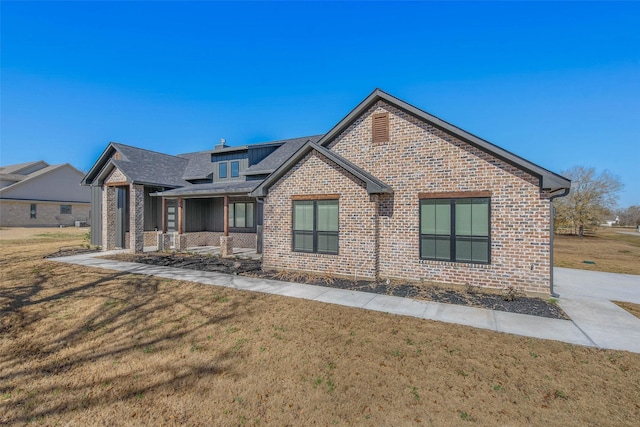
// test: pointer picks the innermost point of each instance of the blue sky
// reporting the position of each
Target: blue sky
(556, 83)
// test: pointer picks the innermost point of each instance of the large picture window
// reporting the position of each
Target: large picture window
(241, 215)
(455, 230)
(315, 226)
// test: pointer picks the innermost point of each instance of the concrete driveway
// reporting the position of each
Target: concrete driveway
(586, 297)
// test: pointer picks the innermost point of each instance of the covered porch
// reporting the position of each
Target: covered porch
(214, 215)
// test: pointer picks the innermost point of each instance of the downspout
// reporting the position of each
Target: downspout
(552, 211)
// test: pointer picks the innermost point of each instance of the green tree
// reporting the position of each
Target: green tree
(592, 195)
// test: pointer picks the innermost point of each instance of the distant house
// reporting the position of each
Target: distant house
(37, 194)
(390, 191)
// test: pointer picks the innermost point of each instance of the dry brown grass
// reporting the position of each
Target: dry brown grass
(85, 346)
(630, 307)
(610, 250)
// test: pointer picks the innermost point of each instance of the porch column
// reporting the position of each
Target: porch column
(108, 217)
(136, 217)
(226, 216)
(180, 216)
(226, 241)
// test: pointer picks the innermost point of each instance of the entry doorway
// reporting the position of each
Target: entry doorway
(122, 216)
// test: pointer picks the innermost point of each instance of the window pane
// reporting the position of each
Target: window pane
(463, 250)
(463, 217)
(428, 248)
(427, 217)
(302, 241)
(480, 250)
(235, 169)
(480, 218)
(32, 211)
(327, 215)
(303, 215)
(443, 248)
(250, 215)
(328, 243)
(240, 214)
(222, 169)
(232, 215)
(443, 217)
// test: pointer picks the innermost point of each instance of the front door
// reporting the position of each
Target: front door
(172, 216)
(122, 215)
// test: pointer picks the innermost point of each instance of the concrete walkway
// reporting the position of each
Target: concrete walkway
(595, 320)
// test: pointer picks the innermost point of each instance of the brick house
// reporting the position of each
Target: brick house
(389, 192)
(36, 194)
(399, 193)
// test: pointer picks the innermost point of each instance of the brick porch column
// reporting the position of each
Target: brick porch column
(108, 218)
(136, 217)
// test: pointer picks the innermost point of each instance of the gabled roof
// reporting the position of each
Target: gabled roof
(278, 157)
(374, 185)
(548, 180)
(20, 168)
(36, 175)
(140, 166)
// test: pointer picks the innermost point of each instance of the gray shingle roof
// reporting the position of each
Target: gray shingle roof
(373, 184)
(199, 165)
(19, 168)
(218, 188)
(274, 160)
(150, 167)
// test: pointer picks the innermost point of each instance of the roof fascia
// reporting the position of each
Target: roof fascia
(99, 165)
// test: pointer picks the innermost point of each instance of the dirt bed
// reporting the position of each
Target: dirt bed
(509, 300)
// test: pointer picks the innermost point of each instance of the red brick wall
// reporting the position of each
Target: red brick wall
(317, 175)
(418, 158)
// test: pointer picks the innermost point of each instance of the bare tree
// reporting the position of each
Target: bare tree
(592, 195)
(629, 216)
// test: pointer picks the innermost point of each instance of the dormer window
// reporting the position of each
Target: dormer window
(235, 169)
(380, 127)
(222, 170)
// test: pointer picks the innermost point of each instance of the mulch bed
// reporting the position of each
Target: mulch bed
(509, 300)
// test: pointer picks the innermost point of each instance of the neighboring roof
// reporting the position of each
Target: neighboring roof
(11, 177)
(199, 165)
(548, 179)
(140, 166)
(278, 157)
(36, 175)
(374, 185)
(21, 167)
(206, 190)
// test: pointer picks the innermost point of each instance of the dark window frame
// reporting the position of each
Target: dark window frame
(220, 169)
(33, 211)
(65, 208)
(452, 237)
(315, 233)
(235, 172)
(232, 217)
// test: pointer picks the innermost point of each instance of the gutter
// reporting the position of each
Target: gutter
(552, 212)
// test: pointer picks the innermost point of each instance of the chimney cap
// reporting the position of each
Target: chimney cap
(222, 144)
